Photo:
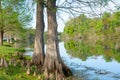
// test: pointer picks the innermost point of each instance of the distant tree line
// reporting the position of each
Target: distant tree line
(108, 23)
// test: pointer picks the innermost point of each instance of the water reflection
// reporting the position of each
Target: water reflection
(102, 56)
(89, 60)
(109, 49)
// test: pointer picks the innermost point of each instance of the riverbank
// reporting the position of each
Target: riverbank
(14, 64)
(10, 67)
(7, 49)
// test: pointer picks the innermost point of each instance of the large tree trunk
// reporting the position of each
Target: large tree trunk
(1, 25)
(53, 62)
(39, 55)
(1, 37)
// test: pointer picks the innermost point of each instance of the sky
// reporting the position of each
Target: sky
(63, 17)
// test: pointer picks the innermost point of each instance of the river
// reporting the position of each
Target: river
(94, 67)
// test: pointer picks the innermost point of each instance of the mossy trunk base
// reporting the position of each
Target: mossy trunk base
(55, 69)
(38, 59)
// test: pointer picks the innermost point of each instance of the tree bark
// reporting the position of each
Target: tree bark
(39, 54)
(53, 62)
(1, 25)
(1, 37)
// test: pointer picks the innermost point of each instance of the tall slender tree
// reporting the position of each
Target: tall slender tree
(9, 8)
(39, 54)
(1, 24)
(53, 62)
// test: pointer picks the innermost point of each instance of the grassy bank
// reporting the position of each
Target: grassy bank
(17, 65)
(13, 72)
(18, 68)
(7, 48)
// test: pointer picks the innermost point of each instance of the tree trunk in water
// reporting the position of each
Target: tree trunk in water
(1, 37)
(39, 55)
(53, 62)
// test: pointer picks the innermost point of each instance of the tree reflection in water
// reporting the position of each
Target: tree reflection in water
(108, 48)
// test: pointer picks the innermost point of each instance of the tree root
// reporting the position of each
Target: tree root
(3, 62)
(58, 70)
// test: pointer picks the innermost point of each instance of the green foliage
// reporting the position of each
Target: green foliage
(69, 30)
(97, 36)
(15, 16)
(116, 19)
(77, 25)
(82, 25)
(99, 25)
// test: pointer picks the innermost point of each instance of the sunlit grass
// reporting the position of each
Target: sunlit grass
(15, 73)
(7, 48)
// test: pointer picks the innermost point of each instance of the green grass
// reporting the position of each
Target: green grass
(9, 49)
(15, 73)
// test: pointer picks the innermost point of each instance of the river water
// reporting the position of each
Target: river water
(92, 67)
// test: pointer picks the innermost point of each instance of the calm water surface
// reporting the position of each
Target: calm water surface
(92, 67)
